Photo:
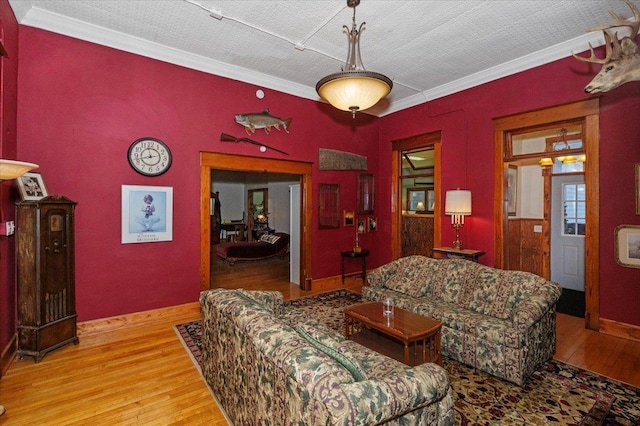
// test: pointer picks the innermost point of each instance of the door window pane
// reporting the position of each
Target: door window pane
(574, 204)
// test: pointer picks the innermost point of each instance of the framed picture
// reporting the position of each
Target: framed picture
(31, 187)
(638, 188)
(361, 225)
(628, 245)
(372, 224)
(365, 193)
(512, 190)
(147, 214)
(348, 218)
(328, 206)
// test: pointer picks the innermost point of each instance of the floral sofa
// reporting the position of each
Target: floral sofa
(272, 365)
(501, 322)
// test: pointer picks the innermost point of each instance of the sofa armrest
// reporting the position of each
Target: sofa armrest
(379, 276)
(395, 395)
(270, 300)
(531, 311)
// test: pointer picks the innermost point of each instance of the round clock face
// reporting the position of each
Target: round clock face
(149, 156)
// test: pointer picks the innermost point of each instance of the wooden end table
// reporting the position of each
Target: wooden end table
(450, 252)
(406, 326)
(354, 255)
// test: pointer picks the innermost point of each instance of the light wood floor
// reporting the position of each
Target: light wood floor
(142, 375)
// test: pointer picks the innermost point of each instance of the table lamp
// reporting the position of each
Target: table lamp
(458, 205)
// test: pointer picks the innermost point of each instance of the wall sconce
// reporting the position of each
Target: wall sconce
(458, 205)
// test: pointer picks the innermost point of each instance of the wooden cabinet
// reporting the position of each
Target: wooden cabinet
(46, 276)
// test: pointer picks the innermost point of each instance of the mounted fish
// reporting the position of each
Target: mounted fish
(261, 120)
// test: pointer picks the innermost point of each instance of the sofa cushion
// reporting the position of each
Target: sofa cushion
(414, 275)
(333, 349)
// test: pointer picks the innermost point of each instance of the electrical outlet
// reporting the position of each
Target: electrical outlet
(7, 228)
(537, 228)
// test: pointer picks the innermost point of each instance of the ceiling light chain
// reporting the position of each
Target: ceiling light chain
(354, 89)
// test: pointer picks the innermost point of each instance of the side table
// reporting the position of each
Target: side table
(355, 255)
(450, 252)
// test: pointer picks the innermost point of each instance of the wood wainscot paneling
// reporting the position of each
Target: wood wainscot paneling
(417, 234)
(526, 246)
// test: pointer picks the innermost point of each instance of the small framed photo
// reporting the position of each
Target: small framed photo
(361, 225)
(372, 224)
(349, 218)
(31, 187)
(147, 214)
(628, 245)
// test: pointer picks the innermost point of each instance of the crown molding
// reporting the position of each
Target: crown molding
(42, 19)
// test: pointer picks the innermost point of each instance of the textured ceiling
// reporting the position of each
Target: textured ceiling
(428, 48)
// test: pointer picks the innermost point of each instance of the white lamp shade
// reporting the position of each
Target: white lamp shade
(11, 169)
(458, 202)
(354, 89)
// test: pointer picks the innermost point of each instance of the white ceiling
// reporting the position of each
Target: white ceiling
(429, 48)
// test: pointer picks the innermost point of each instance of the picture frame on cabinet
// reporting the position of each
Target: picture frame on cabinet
(147, 214)
(31, 187)
(627, 249)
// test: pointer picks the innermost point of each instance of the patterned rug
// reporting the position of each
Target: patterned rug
(556, 394)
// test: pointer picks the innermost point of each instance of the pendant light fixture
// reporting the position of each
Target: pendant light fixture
(354, 89)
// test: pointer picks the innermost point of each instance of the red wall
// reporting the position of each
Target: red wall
(465, 119)
(8, 103)
(81, 105)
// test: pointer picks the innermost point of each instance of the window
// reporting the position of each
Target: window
(574, 202)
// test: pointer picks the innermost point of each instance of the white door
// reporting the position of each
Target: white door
(568, 214)
(294, 232)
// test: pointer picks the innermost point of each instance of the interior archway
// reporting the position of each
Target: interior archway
(212, 160)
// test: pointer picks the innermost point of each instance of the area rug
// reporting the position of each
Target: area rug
(556, 394)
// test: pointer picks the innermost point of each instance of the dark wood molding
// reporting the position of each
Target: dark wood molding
(588, 111)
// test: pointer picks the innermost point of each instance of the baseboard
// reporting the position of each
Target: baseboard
(8, 355)
(103, 325)
(620, 329)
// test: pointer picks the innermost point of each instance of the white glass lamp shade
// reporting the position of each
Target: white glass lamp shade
(458, 202)
(11, 169)
(354, 90)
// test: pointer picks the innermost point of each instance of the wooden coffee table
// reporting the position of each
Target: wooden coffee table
(405, 326)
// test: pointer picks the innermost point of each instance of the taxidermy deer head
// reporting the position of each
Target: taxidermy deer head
(621, 63)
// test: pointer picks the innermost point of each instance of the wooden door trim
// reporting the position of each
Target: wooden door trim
(424, 140)
(218, 161)
(588, 110)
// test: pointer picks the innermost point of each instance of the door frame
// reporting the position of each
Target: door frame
(242, 163)
(587, 111)
(420, 141)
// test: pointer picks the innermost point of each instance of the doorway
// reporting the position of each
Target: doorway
(240, 163)
(416, 187)
(568, 224)
(586, 115)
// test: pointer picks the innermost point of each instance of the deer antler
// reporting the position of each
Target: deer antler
(612, 50)
(612, 43)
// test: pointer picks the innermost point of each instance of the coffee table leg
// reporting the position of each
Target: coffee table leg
(406, 353)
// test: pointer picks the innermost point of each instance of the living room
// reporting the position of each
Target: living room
(74, 107)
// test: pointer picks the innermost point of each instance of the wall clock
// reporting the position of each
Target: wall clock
(149, 156)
